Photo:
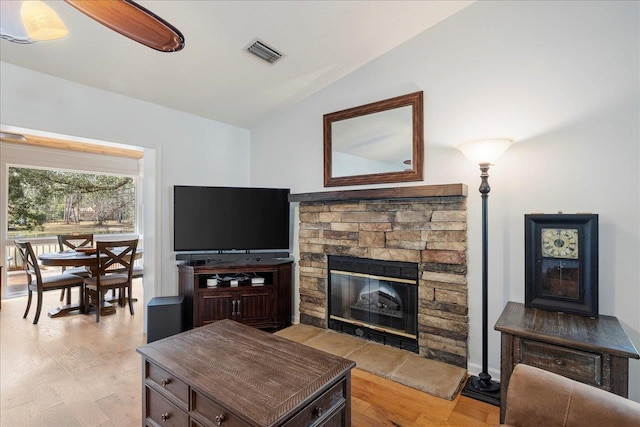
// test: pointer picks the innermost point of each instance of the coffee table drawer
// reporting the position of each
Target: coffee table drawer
(579, 365)
(168, 383)
(321, 408)
(162, 412)
(207, 409)
(338, 419)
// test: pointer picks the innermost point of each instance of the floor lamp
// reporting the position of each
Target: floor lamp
(484, 152)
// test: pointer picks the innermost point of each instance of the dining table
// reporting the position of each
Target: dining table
(84, 257)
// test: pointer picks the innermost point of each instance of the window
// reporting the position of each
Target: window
(38, 211)
(45, 202)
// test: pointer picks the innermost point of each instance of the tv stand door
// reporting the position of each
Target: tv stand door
(254, 306)
(216, 305)
(246, 305)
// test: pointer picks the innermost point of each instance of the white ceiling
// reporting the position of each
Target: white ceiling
(213, 76)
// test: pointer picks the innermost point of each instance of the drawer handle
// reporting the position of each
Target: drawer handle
(559, 362)
(164, 417)
(219, 420)
(164, 382)
(317, 412)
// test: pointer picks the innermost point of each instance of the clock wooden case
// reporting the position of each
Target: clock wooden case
(561, 262)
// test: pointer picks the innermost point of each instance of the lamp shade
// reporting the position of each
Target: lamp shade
(485, 151)
(41, 22)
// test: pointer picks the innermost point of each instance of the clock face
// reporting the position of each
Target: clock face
(560, 243)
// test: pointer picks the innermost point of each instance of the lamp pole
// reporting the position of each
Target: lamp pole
(483, 387)
(485, 378)
(483, 153)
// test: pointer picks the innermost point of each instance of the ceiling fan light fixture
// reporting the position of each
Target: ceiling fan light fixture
(10, 136)
(264, 52)
(11, 25)
(41, 22)
(133, 21)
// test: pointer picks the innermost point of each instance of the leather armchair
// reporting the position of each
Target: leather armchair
(540, 398)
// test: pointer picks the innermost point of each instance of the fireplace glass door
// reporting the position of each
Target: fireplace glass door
(377, 307)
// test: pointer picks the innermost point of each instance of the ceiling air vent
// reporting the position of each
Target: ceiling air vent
(264, 52)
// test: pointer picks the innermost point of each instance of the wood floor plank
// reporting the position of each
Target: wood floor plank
(470, 409)
(400, 399)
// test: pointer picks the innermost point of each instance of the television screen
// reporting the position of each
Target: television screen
(230, 218)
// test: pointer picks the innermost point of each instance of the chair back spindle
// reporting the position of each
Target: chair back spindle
(74, 241)
(29, 261)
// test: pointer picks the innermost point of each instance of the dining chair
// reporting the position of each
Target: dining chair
(119, 253)
(73, 241)
(39, 284)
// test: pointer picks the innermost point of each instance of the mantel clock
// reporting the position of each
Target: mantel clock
(561, 262)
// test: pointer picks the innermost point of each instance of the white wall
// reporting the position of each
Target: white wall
(184, 149)
(561, 78)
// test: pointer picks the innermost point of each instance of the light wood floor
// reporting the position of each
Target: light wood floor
(71, 371)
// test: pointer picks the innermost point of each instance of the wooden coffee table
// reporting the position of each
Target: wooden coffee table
(230, 374)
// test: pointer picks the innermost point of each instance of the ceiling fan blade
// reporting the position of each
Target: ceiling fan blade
(133, 21)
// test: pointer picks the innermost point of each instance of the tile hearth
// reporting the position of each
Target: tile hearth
(436, 378)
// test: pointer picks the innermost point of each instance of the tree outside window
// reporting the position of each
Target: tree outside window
(50, 202)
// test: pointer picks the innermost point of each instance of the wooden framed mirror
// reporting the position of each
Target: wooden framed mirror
(375, 143)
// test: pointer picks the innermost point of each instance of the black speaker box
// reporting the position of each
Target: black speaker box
(165, 317)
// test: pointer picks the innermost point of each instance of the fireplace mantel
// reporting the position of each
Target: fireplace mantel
(442, 190)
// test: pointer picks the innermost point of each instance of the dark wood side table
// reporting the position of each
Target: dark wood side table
(229, 374)
(592, 351)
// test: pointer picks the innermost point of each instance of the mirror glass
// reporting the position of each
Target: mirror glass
(375, 143)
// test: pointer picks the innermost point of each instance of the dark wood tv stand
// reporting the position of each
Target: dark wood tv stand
(266, 306)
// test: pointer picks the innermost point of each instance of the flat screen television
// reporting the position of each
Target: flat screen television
(230, 218)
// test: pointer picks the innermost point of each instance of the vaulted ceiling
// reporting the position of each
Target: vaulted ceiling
(214, 76)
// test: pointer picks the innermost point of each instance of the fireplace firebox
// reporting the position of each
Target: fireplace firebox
(376, 300)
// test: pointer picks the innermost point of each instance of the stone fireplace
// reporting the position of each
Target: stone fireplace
(425, 225)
